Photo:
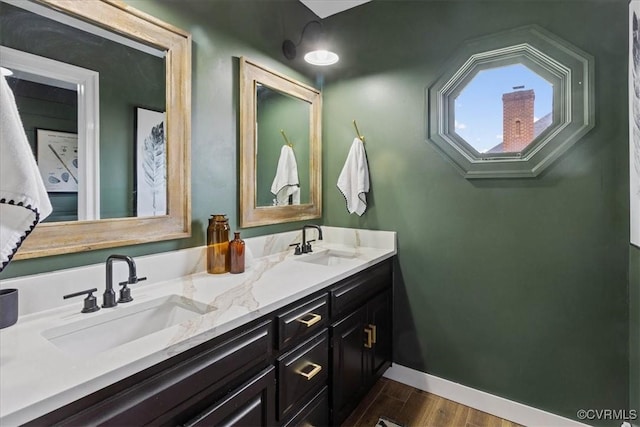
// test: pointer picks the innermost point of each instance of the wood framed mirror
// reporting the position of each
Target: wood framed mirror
(278, 111)
(122, 21)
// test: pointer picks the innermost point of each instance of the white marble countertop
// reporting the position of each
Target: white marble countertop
(37, 377)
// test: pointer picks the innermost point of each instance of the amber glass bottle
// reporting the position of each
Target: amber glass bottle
(218, 259)
(236, 247)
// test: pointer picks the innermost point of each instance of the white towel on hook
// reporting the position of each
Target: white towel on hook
(286, 182)
(353, 181)
(23, 198)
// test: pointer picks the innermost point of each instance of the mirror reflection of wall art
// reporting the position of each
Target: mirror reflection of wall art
(58, 160)
(634, 120)
(151, 163)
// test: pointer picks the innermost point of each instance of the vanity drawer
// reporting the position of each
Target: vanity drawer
(353, 292)
(315, 413)
(167, 393)
(302, 371)
(302, 321)
(251, 404)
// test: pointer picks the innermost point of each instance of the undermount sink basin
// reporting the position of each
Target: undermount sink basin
(98, 333)
(328, 257)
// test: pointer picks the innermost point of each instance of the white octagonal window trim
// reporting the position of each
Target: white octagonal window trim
(568, 69)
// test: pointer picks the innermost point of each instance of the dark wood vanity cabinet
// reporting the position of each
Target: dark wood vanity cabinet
(361, 342)
(308, 363)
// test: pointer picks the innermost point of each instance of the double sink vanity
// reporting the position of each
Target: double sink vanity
(294, 339)
(297, 339)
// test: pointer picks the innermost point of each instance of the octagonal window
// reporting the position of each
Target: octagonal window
(503, 109)
(509, 104)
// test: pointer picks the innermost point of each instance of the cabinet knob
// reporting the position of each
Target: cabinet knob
(309, 319)
(315, 368)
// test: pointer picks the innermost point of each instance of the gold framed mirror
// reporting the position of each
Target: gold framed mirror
(120, 19)
(277, 112)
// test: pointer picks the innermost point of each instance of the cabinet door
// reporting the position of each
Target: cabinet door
(348, 364)
(379, 322)
(251, 404)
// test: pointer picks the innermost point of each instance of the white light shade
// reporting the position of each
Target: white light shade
(321, 57)
(6, 71)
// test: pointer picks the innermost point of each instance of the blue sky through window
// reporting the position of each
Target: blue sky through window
(478, 108)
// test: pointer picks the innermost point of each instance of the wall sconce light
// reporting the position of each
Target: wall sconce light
(319, 55)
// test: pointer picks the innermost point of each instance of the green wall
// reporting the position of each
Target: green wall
(515, 287)
(222, 31)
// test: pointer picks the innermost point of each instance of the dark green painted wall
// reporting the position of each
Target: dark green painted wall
(515, 287)
(222, 30)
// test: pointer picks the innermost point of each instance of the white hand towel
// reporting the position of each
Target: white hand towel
(23, 198)
(353, 181)
(286, 181)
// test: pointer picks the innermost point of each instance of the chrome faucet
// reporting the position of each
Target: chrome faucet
(306, 245)
(109, 296)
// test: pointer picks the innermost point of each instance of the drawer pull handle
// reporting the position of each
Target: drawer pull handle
(312, 373)
(369, 341)
(309, 322)
(374, 333)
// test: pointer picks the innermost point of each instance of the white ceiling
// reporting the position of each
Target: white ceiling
(324, 8)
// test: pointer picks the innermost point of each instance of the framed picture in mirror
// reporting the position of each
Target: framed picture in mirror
(58, 160)
(151, 163)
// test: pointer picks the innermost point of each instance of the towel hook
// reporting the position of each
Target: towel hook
(284, 135)
(358, 132)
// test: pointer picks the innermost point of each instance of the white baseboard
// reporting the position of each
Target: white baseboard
(480, 400)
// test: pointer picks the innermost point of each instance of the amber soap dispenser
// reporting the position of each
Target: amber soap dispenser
(218, 256)
(236, 250)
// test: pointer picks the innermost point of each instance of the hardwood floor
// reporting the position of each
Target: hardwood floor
(415, 408)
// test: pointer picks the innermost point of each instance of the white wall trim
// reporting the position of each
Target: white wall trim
(495, 405)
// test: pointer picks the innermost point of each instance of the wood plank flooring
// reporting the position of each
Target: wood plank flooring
(415, 408)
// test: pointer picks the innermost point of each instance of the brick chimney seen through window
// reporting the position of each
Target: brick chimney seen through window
(517, 120)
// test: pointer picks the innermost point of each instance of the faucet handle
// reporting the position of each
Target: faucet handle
(297, 251)
(90, 302)
(308, 248)
(125, 293)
